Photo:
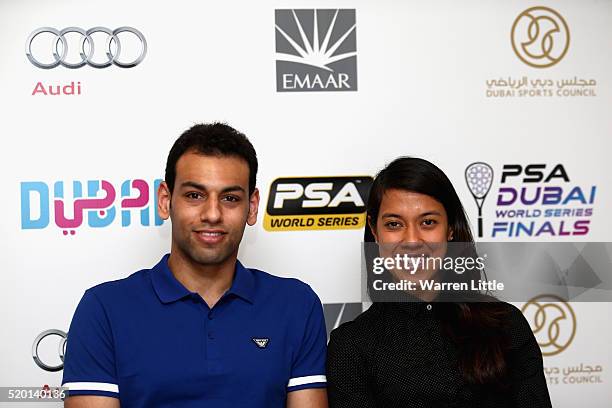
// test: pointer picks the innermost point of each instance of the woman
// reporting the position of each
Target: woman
(406, 353)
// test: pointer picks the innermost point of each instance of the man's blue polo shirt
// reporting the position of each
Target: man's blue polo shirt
(150, 342)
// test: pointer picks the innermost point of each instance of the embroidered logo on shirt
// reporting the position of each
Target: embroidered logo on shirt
(261, 343)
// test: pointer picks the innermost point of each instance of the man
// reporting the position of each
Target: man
(199, 329)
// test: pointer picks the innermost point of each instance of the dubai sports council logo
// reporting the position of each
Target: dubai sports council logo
(316, 50)
(540, 37)
(553, 322)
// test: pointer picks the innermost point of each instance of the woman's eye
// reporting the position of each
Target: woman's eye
(429, 222)
(392, 224)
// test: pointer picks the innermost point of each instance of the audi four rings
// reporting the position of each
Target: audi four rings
(61, 350)
(86, 57)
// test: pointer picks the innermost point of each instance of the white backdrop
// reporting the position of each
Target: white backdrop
(422, 75)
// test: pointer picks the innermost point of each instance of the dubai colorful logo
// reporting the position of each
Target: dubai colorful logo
(316, 50)
(98, 207)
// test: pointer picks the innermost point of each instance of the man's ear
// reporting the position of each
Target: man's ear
(163, 201)
(253, 207)
(372, 228)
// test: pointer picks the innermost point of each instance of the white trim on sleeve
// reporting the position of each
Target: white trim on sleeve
(91, 386)
(307, 380)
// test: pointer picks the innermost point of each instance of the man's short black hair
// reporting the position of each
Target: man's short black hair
(215, 139)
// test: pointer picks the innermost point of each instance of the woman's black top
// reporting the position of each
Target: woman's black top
(395, 355)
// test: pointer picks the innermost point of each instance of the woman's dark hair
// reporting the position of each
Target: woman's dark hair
(474, 321)
(215, 139)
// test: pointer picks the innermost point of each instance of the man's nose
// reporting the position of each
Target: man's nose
(211, 210)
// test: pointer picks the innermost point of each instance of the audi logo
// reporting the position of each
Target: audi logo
(86, 56)
(61, 349)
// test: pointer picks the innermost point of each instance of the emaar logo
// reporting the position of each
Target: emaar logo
(316, 50)
(99, 207)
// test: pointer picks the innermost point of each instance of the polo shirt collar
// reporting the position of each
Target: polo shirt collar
(244, 283)
(169, 289)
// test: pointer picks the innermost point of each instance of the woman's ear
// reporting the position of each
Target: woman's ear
(450, 235)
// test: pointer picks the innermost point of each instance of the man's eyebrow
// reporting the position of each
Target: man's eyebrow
(193, 184)
(233, 188)
(202, 187)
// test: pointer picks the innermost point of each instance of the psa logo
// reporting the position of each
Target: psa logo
(316, 50)
(309, 203)
(98, 207)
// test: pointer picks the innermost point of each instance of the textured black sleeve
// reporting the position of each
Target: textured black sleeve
(529, 387)
(347, 374)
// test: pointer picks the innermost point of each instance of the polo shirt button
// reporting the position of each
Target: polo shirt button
(210, 316)
(429, 307)
(211, 335)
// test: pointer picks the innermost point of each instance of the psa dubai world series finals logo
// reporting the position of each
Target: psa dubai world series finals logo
(530, 200)
(540, 41)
